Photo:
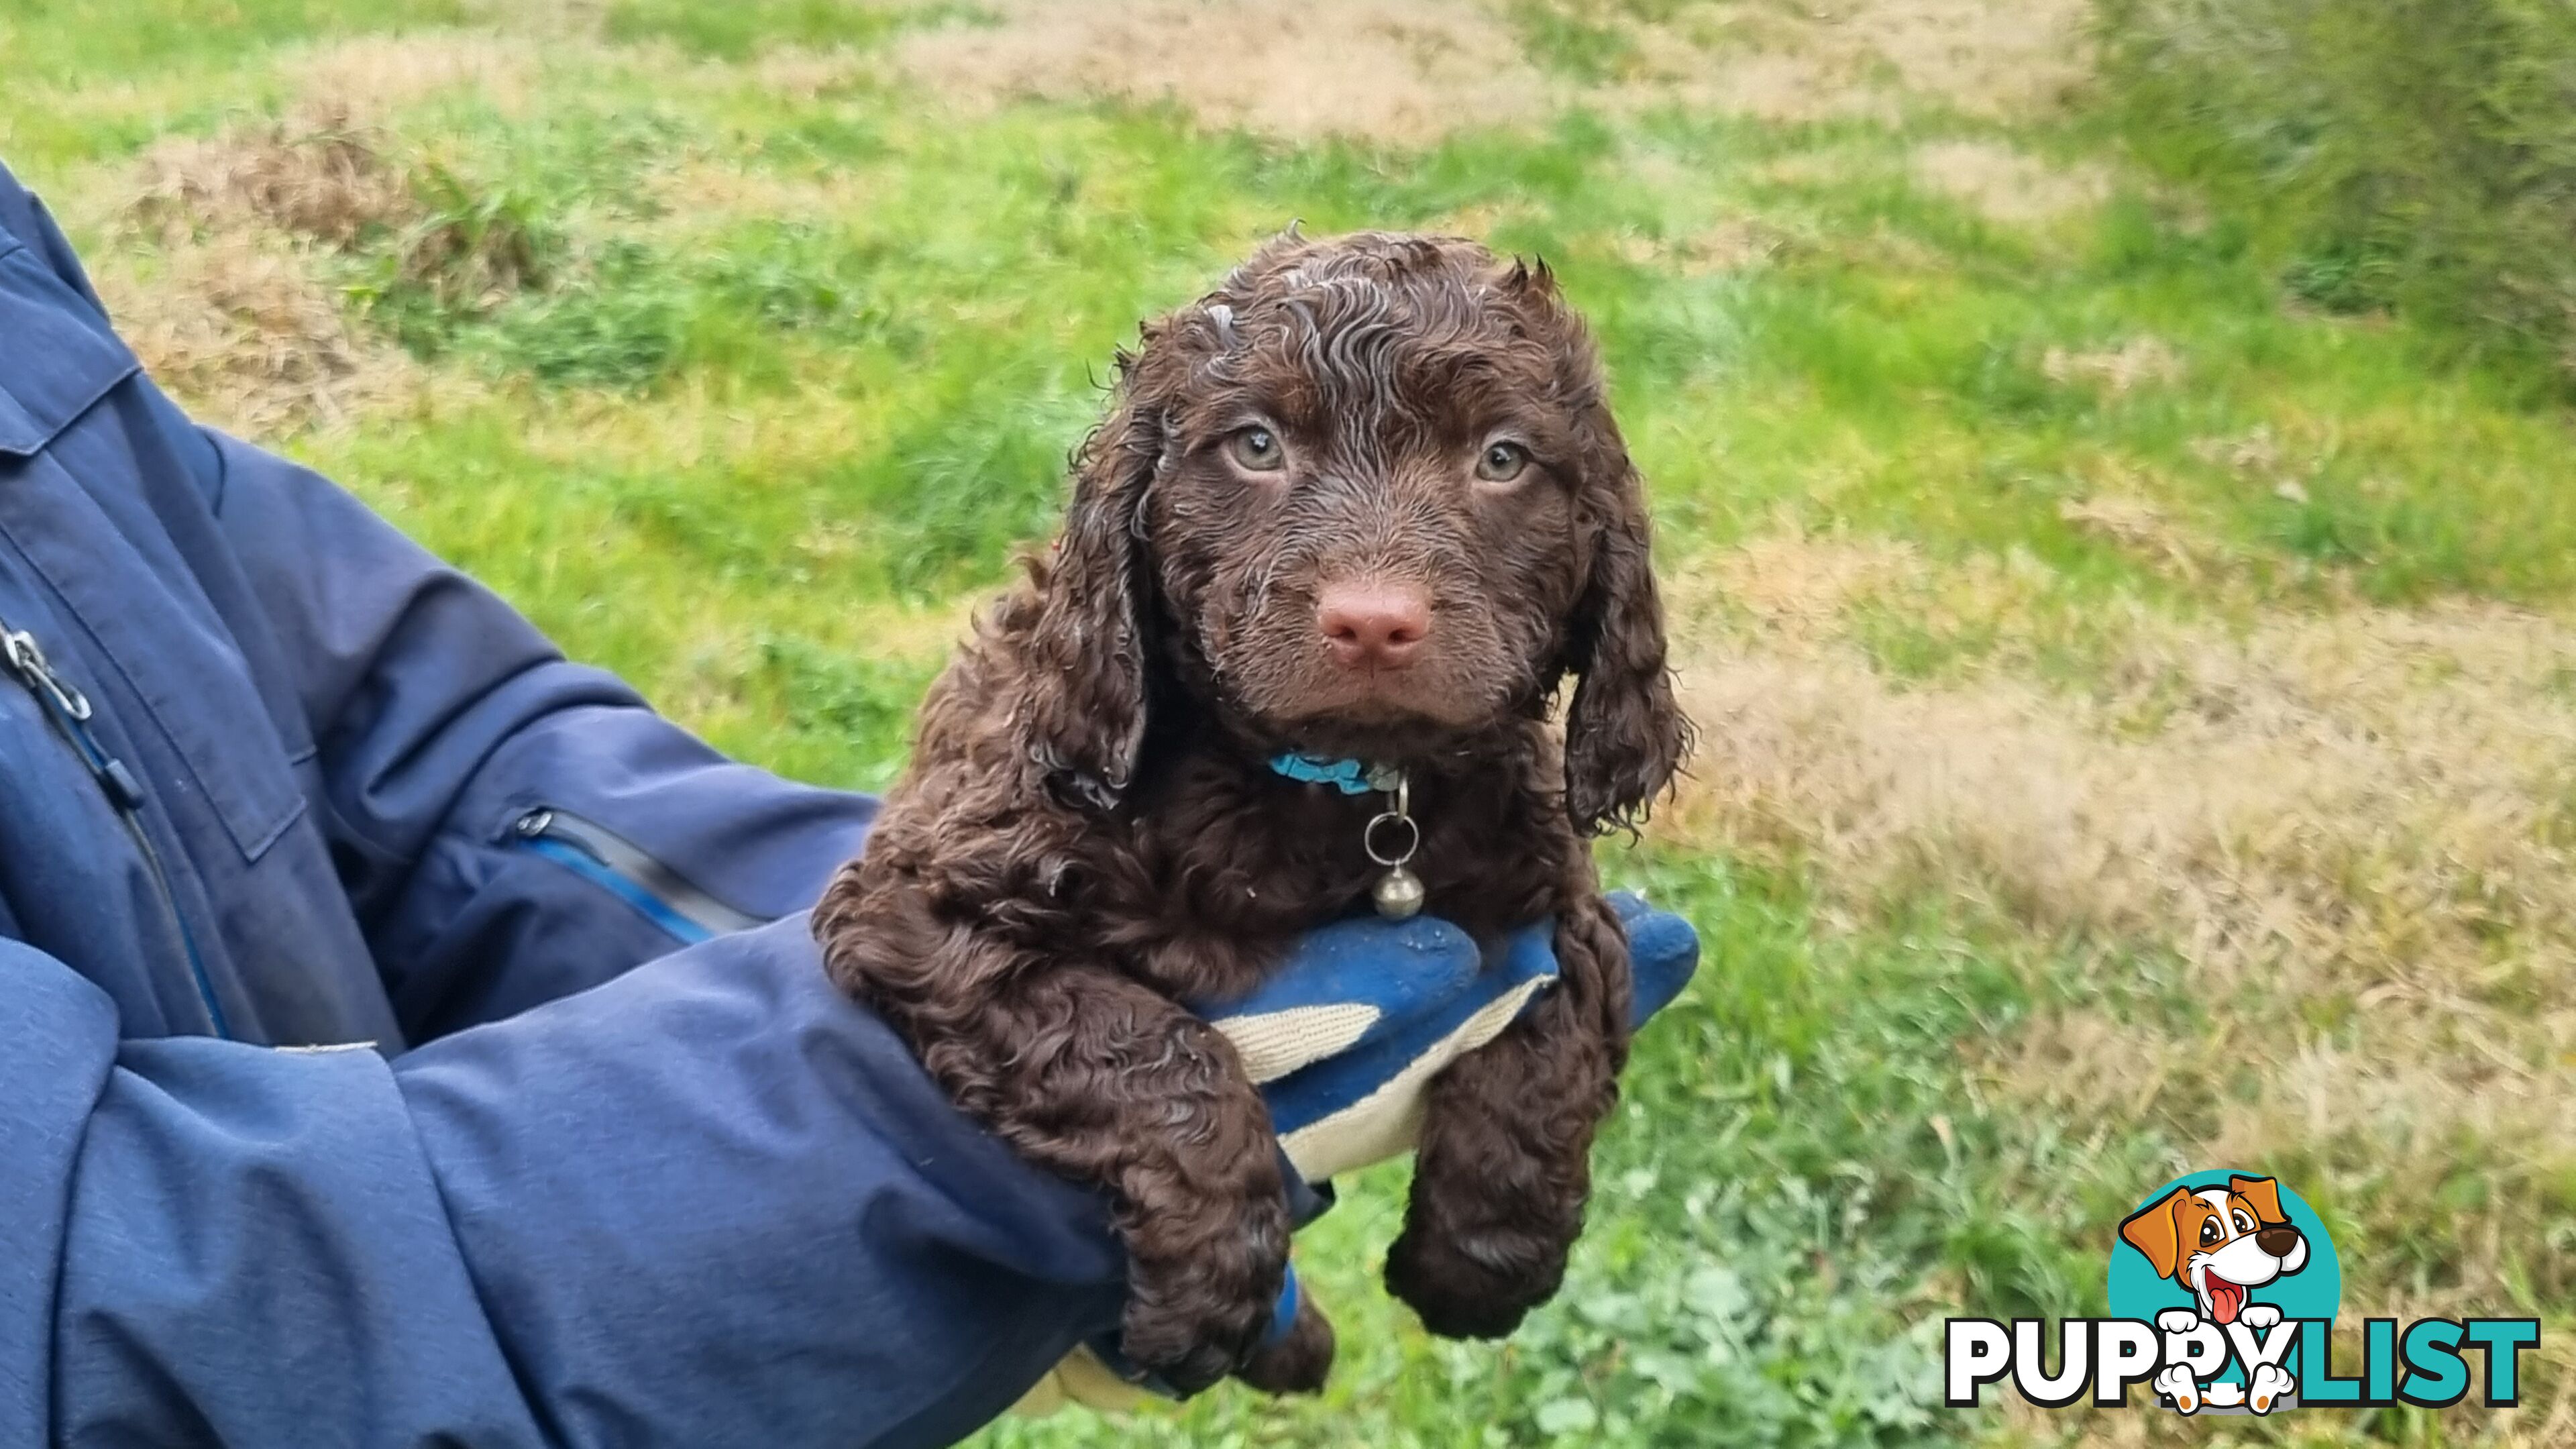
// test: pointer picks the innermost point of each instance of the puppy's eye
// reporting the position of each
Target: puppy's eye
(1502, 462)
(1257, 450)
(2208, 1231)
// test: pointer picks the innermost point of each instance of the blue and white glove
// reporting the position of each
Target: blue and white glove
(1343, 1038)
(1366, 1012)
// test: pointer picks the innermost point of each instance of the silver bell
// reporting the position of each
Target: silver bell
(1398, 894)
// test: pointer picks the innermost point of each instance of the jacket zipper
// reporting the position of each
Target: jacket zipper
(69, 711)
(626, 871)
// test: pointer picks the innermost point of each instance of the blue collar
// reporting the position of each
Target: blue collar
(1348, 776)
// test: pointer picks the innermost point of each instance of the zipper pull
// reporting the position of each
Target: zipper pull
(119, 783)
(28, 658)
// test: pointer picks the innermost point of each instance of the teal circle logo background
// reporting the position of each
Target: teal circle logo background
(2315, 1291)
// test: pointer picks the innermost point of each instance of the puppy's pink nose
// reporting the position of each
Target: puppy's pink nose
(1373, 626)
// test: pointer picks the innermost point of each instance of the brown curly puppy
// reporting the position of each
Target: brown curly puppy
(1364, 500)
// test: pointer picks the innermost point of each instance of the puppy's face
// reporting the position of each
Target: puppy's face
(1365, 499)
(1385, 468)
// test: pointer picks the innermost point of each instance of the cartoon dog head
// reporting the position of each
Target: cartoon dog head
(2219, 1243)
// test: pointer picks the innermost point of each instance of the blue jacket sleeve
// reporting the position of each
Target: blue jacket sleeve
(709, 1203)
(443, 720)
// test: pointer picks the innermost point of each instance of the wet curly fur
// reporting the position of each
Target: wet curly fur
(1089, 833)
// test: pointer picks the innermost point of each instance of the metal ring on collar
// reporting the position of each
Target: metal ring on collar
(1412, 839)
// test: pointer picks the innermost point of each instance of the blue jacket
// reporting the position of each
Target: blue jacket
(282, 779)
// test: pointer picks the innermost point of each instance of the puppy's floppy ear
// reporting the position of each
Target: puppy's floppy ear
(1624, 735)
(2263, 1193)
(2156, 1230)
(1086, 715)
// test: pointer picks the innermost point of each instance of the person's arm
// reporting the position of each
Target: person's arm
(512, 827)
(709, 1203)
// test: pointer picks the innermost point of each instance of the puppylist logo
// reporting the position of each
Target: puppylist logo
(2223, 1294)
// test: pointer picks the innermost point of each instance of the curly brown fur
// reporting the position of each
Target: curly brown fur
(1089, 833)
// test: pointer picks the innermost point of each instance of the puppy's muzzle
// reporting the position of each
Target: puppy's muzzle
(1373, 626)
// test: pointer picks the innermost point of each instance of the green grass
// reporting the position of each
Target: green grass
(789, 371)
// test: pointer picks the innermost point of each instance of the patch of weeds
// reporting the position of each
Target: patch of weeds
(2345, 279)
(601, 159)
(2397, 548)
(472, 247)
(616, 329)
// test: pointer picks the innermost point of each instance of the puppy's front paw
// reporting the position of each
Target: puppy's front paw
(1299, 1361)
(1474, 1286)
(2177, 1320)
(2258, 1316)
(1197, 1303)
(1189, 1340)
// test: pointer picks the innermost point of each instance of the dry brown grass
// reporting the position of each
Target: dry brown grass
(2355, 830)
(245, 337)
(2119, 371)
(1399, 70)
(700, 193)
(228, 303)
(2008, 186)
(1792, 589)
(1987, 57)
(2371, 796)
(320, 175)
(807, 74)
(1843, 58)
(1736, 244)
(1410, 71)
(366, 77)
(231, 301)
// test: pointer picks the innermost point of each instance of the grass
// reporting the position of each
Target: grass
(2411, 157)
(2138, 699)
